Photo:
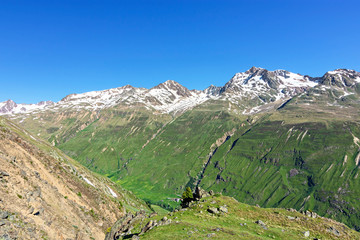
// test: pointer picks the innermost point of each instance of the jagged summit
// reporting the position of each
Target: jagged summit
(254, 69)
(174, 87)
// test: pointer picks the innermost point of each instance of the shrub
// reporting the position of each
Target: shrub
(187, 197)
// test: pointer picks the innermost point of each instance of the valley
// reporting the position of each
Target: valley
(272, 138)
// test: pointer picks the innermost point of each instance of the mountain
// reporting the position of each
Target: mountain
(273, 138)
(342, 78)
(256, 84)
(45, 194)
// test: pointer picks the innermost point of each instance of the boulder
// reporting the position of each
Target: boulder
(3, 174)
(213, 210)
(333, 231)
(262, 224)
(223, 209)
(293, 172)
(4, 215)
(310, 214)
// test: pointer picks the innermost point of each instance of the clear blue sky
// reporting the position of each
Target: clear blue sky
(51, 48)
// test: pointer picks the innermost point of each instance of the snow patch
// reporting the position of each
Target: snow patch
(303, 135)
(345, 160)
(88, 181)
(330, 167)
(357, 159)
(112, 192)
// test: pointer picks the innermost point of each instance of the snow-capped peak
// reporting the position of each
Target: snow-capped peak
(256, 85)
(10, 107)
(258, 81)
(341, 78)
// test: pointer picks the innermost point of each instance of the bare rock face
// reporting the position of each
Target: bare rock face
(122, 228)
(47, 198)
(8, 107)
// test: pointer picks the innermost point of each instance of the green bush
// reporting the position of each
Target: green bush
(187, 197)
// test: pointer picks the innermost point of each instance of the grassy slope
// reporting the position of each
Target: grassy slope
(254, 169)
(239, 223)
(257, 168)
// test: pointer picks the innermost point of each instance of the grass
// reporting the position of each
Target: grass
(239, 223)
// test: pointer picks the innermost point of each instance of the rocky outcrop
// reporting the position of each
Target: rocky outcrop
(124, 225)
(122, 229)
(310, 214)
(200, 193)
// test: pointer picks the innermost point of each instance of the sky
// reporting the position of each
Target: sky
(49, 49)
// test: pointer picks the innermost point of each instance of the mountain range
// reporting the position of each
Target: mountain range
(257, 84)
(273, 138)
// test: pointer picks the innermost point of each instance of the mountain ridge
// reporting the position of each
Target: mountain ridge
(172, 97)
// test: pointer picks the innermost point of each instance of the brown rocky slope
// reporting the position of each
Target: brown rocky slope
(46, 195)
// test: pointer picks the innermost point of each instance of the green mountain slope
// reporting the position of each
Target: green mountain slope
(290, 158)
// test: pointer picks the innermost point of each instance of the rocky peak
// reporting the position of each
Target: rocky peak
(68, 97)
(254, 77)
(128, 87)
(7, 106)
(255, 70)
(340, 78)
(174, 87)
(213, 90)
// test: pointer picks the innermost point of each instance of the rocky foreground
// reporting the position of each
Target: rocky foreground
(213, 216)
(46, 195)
